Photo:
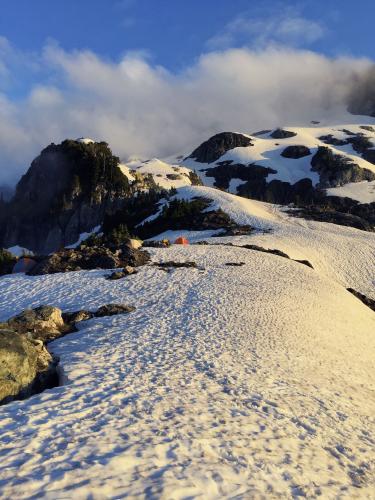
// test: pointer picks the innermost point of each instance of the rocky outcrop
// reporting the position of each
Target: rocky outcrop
(280, 133)
(85, 257)
(26, 367)
(67, 191)
(44, 323)
(363, 298)
(193, 215)
(219, 144)
(224, 171)
(295, 152)
(7, 262)
(336, 170)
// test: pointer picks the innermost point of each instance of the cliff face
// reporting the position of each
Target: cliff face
(66, 191)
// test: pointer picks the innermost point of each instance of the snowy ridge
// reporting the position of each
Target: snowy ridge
(266, 151)
(165, 175)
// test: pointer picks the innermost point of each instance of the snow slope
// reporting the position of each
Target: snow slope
(165, 175)
(254, 381)
(266, 151)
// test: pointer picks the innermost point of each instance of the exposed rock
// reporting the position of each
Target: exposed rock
(266, 250)
(367, 127)
(90, 258)
(113, 309)
(218, 145)
(366, 300)
(117, 275)
(7, 262)
(261, 132)
(67, 191)
(305, 262)
(331, 139)
(296, 152)
(336, 170)
(157, 243)
(171, 263)
(223, 172)
(134, 258)
(192, 215)
(324, 214)
(43, 323)
(235, 264)
(70, 319)
(280, 133)
(26, 367)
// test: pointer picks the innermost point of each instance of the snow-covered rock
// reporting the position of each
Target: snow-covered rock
(271, 155)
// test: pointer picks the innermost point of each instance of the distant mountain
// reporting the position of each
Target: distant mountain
(325, 173)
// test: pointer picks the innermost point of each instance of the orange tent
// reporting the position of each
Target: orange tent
(181, 241)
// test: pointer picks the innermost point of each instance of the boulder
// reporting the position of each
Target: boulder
(43, 323)
(26, 367)
(75, 317)
(96, 257)
(113, 309)
(280, 133)
(117, 275)
(218, 145)
(296, 152)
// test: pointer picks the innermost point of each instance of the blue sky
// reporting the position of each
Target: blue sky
(157, 77)
(175, 32)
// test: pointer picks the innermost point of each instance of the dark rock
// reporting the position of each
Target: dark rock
(330, 139)
(171, 263)
(90, 258)
(305, 262)
(7, 262)
(71, 318)
(117, 275)
(367, 127)
(67, 190)
(335, 170)
(266, 250)
(327, 214)
(280, 133)
(26, 367)
(261, 132)
(174, 177)
(296, 152)
(223, 172)
(157, 244)
(113, 309)
(369, 156)
(218, 145)
(235, 264)
(363, 298)
(134, 258)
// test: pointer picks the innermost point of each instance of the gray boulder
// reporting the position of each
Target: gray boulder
(26, 367)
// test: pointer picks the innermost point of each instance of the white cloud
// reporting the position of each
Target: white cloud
(286, 26)
(144, 110)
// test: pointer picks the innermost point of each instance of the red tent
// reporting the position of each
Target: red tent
(23, 265)
(181, 241)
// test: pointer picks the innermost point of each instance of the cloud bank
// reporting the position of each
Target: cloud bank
(144, 110)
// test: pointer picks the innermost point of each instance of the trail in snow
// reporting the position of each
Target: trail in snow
(250, 381)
